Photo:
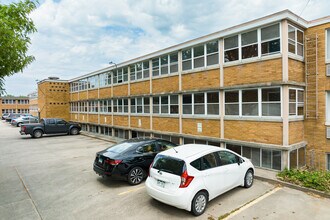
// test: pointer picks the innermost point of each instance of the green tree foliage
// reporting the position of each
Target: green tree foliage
(15, 28)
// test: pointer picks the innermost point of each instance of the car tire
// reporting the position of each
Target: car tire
(248, 179)
(135, 176)
(199, 203)
(19, 124)
(37, 134)
(74, 131)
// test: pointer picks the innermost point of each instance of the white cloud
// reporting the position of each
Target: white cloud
(79, 36)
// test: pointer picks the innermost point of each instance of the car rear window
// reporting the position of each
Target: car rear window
(169, 164)
(121, 147)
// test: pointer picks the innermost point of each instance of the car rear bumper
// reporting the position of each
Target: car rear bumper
(114, 174)
(22, 133)
(179, 199)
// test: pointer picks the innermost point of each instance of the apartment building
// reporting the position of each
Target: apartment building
(12, 104)
(259, 88)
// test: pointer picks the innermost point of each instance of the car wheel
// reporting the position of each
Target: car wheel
(19, 124)
(199, 203)
(248, 179)
(37, 134)
(74, 131)
(135, 176)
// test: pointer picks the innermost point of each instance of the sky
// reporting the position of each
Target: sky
(76, 37)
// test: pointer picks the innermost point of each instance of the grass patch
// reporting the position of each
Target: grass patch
(319, 180)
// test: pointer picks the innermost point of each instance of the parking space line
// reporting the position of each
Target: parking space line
(129, 191)
(251, 203)
(28, 192)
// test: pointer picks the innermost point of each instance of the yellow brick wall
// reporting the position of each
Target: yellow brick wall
(93, 94)
(165, 124)
(120, 90)
(145, 122)
(83, 95)
(258, 72)
(315, 130)
(163, 85)
(105, 93)
(210, 127)
(74, 97)
(93, 118)
(201, 80)
(254, 131)
(140, 88)
(106, 119)
(120, 120)
(296, 132)
(296, 71)
(83, 118)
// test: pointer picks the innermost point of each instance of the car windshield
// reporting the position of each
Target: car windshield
(169, 164)
(121, 147)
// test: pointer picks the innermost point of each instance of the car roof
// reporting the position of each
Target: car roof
(190, 151)
(144, 140)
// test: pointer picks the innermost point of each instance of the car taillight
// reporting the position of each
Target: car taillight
(150, 168)
(23, 128)
(113, 162)
(185, 179)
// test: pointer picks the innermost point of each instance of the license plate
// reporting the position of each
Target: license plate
(100, 160)
(161, 183)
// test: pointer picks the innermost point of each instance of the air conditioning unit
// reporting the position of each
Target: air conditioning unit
(328, 132)
(328, 70)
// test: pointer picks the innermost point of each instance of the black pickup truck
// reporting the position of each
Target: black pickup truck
(49, 126)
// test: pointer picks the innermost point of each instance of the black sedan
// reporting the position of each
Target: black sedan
(129, 160)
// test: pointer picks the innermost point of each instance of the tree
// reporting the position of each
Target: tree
(15, 28)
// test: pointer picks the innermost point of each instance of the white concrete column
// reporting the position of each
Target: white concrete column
(150, 92)
(284, 50)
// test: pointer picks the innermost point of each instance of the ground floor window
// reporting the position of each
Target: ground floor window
(84, 127)
(140, 134)
(199, 141)
(121, 133)
(298, 158)
(173, 139)
(93, 128)
(328, 162)
(106, 131)
(266, 158)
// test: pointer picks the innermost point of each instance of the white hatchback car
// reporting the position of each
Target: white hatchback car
(191, 175)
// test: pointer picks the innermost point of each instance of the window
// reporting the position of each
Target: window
(199, 56)
(174, 104)
(328, 161)
(227, 158)
(199, 104)
(327, 45)
(174, 63)
(186, 59)
(209, 161)
(235, 148)
(296, 41)
(105, 79)
(139, 74)
(155, 102)
(125, 74)
(187, 104)
(93, 82)
(146, 106)
(105, 106)
(271, 159)
(250, 102)
(146, 69)
(164, 65)
(249, 43)
(232, 103)
(50, 121)
(155, 67)
(166, 104)
(231, 49)
(120, 105)
(271, 102)
(132, 74)
(93, 106)
(212, 103)
(296, 102)
(270, 40)
(59, 122)
(212, 53)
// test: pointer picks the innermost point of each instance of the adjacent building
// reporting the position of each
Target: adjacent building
(33, 103)
(260, 88)
(12, 104)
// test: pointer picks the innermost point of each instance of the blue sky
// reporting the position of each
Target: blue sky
(76, 37)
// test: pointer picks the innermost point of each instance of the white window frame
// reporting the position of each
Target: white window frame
(327, 35)
(272, 39)
(296, 102)
(296, 41)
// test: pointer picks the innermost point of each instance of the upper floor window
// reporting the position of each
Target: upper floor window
(270, 40)
(201, 103)
(167, 104)
(139, 71)
(296, 41)
(231, 48)
(105, 79)
(140, 105)
(296, 102)
(105, 106)
(120, 75)
(249, 42)
(166, 64)
(120, 105)
(93, 82)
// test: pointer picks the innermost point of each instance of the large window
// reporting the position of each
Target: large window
(296, 41)
(167, 104)
(105, 106)
(328, 161)
(246, 45)
(120, 105)
(270, 40)
(201, 103)
(140, 105)
(105, 79)
(296, 102)
(120, 75)
(93, 106)
(139, 71)
(268, 100)
(93, 82)
(200, 56)
(166, 64)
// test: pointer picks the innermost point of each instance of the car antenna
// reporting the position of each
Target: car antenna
(175, 150)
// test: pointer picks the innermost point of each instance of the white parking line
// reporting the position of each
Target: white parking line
(129, 191)
(253, 202)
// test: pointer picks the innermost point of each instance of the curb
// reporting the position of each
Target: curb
(293, 186)
(99, 138)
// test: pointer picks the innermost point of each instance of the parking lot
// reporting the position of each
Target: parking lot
(52, 178)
